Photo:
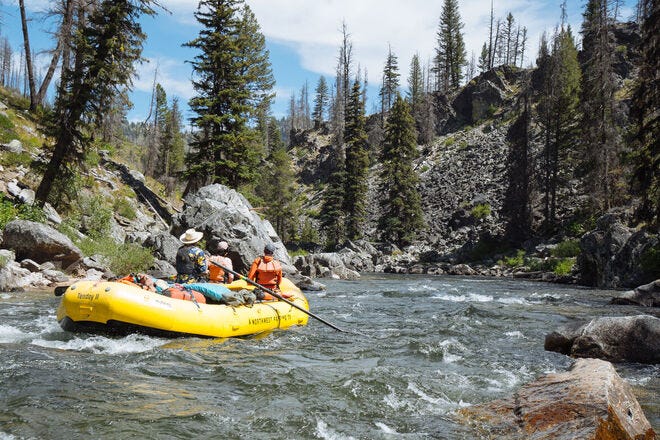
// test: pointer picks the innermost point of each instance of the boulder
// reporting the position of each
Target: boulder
(39, 242)
(164, 245)
(224, 214)
(611, 256)
(14, 146)
(616, 339)
(590, 401)
(647, 295)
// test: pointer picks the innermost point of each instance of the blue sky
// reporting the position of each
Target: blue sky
(303, 37)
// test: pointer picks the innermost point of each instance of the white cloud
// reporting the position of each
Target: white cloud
(312, 28)
(171, 74)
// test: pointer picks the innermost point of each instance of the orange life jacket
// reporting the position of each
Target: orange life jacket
(268, 273)
(216, 274)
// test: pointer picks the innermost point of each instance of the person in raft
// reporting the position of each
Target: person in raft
(191, 264)
(216, 273)
(267, 271)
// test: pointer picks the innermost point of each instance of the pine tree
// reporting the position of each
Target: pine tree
(278, 185)
(558, 108)
(402, 217)
(233, 82)
(450, 55)
(321, 100)
(357, 164)
(599, 129)
(390, 85)
(105, 50)
(646, 102)
(483, 59)
(172, 153)
(332, 212)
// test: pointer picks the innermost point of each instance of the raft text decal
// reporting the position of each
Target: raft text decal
(269, 319)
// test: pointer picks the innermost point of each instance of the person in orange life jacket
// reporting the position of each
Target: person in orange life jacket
(267, 271)
(191, 264)
(216, 273)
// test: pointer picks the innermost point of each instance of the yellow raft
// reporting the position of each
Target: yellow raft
(113, 307)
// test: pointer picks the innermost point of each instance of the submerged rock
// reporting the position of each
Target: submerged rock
(590, 401)
(616, 339)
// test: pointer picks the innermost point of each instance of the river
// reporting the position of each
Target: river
(427, 346)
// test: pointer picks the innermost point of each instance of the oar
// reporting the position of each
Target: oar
(278, 296)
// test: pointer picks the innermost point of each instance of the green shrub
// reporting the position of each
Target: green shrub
(9, 212)
(9, 158)
(124, 208)
(298, 253)
(97, 216)
(517, 261)
(650, 261)
(541, 264)
(481, 211)
(564, 266)
(7, 132)
(492, 109)
(566, 249)
(122, 258)
(449, 142)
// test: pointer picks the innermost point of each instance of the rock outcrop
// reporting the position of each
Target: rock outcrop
(590, 401)
(647, 295)
(39, 242)
(223, 214)
(616, 339)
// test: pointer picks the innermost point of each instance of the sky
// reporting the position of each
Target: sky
(303, 37)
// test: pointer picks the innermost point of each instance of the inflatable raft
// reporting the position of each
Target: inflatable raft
(119, 308)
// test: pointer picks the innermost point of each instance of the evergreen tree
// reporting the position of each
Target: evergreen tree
(357, 164)
(105, 51)
(402, 217)
(559, 112)
(278, 186)
(233, 82)
(172, 145)
(450, 55)
(482, 64)
(390, 85)
(646, 102)
(320, 102)
(600, 138)
(332, 205)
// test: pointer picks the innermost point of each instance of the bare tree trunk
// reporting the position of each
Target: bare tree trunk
(28, 57)
(62, 45)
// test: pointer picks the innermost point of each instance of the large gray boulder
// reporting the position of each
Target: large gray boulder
(39, 242)
(616, 339)
(612, 255)
(223, 214)
(590, 401)
(647, 295)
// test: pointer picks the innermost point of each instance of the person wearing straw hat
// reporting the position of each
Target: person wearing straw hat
(191, 264)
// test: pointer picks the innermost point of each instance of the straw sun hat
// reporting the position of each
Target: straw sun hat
(191, 236)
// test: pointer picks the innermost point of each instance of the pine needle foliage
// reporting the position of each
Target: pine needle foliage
(402, 216)
(233, 81)
(357, 164)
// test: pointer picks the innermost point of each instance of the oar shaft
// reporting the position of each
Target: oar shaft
(277, 295)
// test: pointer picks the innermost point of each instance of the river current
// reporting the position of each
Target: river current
(419, 348)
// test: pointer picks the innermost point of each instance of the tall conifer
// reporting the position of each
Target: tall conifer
(600, 138)
(357, 164)
(450, 54)
(402, 217)
(105, 51)
(233, 82)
